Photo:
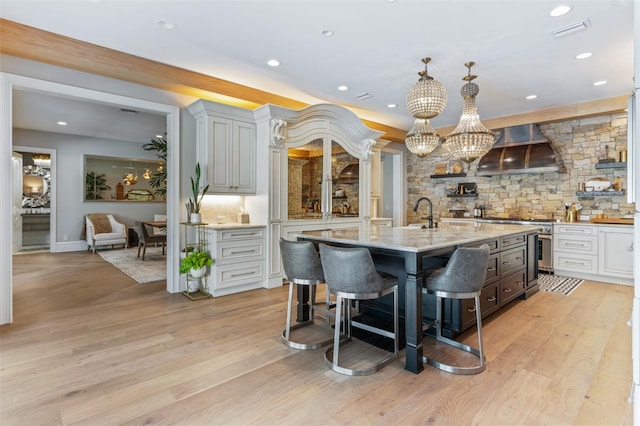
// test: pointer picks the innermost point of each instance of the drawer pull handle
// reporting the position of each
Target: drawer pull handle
(506, 263)
(520, 283)
(244, 234)
(574, 244)
(243, 251)
(491, 299)
(241, 275)
(574, 263)
(630, 248)
(491, 269)
(508, 290)
(471, 309)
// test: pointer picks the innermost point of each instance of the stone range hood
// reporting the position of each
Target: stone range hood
(520, 149)
(350, 174)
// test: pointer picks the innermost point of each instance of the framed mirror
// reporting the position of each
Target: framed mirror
(36, 186)
(121, 179)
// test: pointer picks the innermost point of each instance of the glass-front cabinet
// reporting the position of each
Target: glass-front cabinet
(323, 181)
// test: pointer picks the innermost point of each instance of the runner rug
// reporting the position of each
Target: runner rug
(152, 268)
(558, 284)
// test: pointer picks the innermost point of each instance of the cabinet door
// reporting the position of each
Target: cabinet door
(615, 254)
(243, 162)
(219, 146)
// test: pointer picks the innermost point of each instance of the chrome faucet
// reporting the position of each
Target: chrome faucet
(430, 217)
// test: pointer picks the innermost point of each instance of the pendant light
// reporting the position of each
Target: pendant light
(470, 139)
(426, 99)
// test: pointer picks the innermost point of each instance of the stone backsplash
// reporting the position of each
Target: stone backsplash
(580, 144)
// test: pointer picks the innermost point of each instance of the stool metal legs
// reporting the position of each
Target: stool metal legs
(476, 352)
(332, 355)
(288, 327)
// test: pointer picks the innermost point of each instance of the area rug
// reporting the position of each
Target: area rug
(558, 284)
(152, 268)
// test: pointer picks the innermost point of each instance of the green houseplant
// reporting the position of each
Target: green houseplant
(195, 263)
(194, 204)
(95, 184)
(159, 178)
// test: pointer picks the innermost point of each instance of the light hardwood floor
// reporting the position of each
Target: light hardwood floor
(90, 346)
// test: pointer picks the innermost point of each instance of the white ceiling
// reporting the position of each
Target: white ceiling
(376, 48)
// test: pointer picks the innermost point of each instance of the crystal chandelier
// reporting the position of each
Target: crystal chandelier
(42, 160)
(130, 179)
(426, 99)
(470, 139)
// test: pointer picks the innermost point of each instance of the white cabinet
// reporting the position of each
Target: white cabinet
(239, 255)
(600, 253)
(226, 146)
(615, 251)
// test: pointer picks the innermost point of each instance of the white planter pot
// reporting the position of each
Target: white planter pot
(198, 273)
(193, 285)
(196, 218)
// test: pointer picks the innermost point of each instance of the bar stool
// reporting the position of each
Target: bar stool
(461, 278)
(351, 275)
(302, 266)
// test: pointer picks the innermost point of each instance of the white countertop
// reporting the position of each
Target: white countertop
(415, 239)
(233, 225)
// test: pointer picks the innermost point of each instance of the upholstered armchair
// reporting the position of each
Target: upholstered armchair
(103, 230)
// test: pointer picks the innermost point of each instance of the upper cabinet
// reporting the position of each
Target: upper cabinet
(226, 147)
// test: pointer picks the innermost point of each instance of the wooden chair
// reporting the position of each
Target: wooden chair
(145, 238)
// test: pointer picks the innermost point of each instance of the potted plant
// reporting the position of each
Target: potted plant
(185, 251)
(195, 263)
(194, 204)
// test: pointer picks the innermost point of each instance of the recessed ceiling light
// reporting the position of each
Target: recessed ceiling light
(531, 97)
(584, 55)
(166, 25)
(343, 88)
(560, 10)
(160, 136)
(392, 106)
(327, 33)
(273, 63)
(600, 83)
(62, 123)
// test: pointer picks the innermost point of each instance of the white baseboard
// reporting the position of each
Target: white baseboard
(69, 246)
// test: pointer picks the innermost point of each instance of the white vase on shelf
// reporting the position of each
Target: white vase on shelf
(196, 218)
(193, 284)
(198, 273)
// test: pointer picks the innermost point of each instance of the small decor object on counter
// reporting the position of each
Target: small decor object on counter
(441, 169)
(457, 168)
(193, 207)
(243, 217)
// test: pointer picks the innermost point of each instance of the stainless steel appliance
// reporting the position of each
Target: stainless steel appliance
(545, 237)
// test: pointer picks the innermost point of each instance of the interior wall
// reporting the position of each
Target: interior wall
(580, 143)
(70, 187)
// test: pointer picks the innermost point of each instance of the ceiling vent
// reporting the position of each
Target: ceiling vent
(363, 96)
(520, 149)
(571, 29)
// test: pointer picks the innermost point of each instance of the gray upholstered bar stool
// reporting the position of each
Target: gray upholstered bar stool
(351, 275)
(461, 278)
(302, 266)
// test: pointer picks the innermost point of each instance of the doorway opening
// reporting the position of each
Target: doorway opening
(12, 83)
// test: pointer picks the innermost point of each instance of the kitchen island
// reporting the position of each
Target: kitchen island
(407, 252)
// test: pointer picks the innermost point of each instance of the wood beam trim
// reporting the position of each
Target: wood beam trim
(559, 113)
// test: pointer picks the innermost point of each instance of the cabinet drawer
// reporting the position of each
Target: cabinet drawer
(574, 230)
(512, 241)
(239, 234)
(511, 260)
(493, 270)
(583, 263)
(512, 287)
(488, 305)
(239, 251)
(576, 244)
(225, 276)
